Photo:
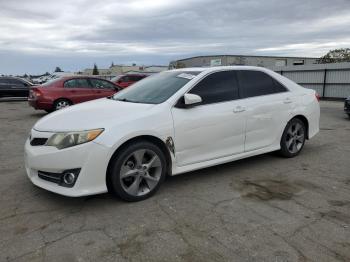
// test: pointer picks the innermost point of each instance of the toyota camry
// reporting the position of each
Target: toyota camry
(167, 124)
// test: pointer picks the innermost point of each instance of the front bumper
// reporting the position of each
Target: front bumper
(91, 158)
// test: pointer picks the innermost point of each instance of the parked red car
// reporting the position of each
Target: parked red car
(127, 79)
(66, 91)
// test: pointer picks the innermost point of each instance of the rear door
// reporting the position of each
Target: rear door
(102, 88)
(268, 106)
(78, 90)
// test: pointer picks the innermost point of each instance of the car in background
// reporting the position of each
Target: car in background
(14, 87)
(66, 91)
(347, 106)
(126, 80)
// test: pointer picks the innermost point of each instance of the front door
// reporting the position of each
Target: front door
(213, 129)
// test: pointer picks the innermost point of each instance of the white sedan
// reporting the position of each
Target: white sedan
(170, 123)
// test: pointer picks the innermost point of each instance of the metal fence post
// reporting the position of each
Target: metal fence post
(324, 83)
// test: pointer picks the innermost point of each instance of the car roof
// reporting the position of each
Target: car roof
(81, 76)
(205, 70)
(219, 68)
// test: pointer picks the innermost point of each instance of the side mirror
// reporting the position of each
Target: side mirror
(192, 99)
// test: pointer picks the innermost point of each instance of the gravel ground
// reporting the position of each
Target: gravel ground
(264, 208)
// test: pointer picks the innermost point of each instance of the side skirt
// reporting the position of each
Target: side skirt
(183, 169)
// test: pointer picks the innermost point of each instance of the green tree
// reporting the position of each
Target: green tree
(95, 70)
(112, 65)
(336, 56)
(58, 69)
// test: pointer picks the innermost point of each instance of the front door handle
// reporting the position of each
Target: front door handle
(238, 109)
(287, 100)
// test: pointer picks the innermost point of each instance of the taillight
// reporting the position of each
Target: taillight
(317, 96)
(34, 93)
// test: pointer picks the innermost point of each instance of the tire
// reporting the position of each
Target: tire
(61, 103)
(137, 171)
(293, 138)
(49, 110)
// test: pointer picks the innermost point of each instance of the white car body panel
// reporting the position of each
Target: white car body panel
(215, 132)
(203, 136)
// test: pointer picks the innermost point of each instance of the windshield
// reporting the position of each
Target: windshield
(157, 88)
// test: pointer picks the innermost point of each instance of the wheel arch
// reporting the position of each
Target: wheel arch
(150, 138)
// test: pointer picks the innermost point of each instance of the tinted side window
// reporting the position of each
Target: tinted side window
(136, 78)
(255, 83)
(125, 79)
(77, 83)
(279, 87)
(98, 83)
(16, 82)
(217, 87)
(4, 81)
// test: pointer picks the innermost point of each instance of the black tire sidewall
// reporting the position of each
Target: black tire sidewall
(284, 150)
(114, 174)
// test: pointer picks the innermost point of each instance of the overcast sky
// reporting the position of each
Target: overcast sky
(37, 35)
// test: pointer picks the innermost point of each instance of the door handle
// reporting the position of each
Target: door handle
(238, 109)
(287, 100)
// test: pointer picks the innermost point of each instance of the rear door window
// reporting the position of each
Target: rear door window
(77, 83)
(101, 84)
(256, 83)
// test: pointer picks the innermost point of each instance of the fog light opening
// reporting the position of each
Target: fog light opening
(69, 178)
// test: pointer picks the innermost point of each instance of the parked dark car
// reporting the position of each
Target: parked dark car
(66, 91)
(14, 87)
(126, 80)
(347, 106)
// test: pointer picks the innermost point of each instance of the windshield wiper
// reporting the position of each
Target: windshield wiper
(127, 100)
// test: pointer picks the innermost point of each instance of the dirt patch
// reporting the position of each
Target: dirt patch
(338, 203)
(21, 230)
(268, 189)
(335, 215)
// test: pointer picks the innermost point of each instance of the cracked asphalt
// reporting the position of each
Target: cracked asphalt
(264, 208)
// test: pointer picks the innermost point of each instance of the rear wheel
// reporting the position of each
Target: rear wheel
(61, 103)
(293, 138)
(137, 171)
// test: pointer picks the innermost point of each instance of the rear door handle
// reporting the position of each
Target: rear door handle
(287, 100)
(238, 109)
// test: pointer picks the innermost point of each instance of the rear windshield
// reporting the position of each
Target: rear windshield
(50, 82)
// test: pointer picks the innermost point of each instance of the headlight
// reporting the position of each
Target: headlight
(64, 140)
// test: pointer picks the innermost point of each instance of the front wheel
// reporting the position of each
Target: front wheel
(137, 171)
(293, 138)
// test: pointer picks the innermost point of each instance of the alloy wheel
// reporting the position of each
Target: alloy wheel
(141, 172)
(62, 104)
(295, 137)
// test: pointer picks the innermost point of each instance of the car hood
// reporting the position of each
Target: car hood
(99, 113)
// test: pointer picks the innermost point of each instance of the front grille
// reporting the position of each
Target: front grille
(38, 141)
